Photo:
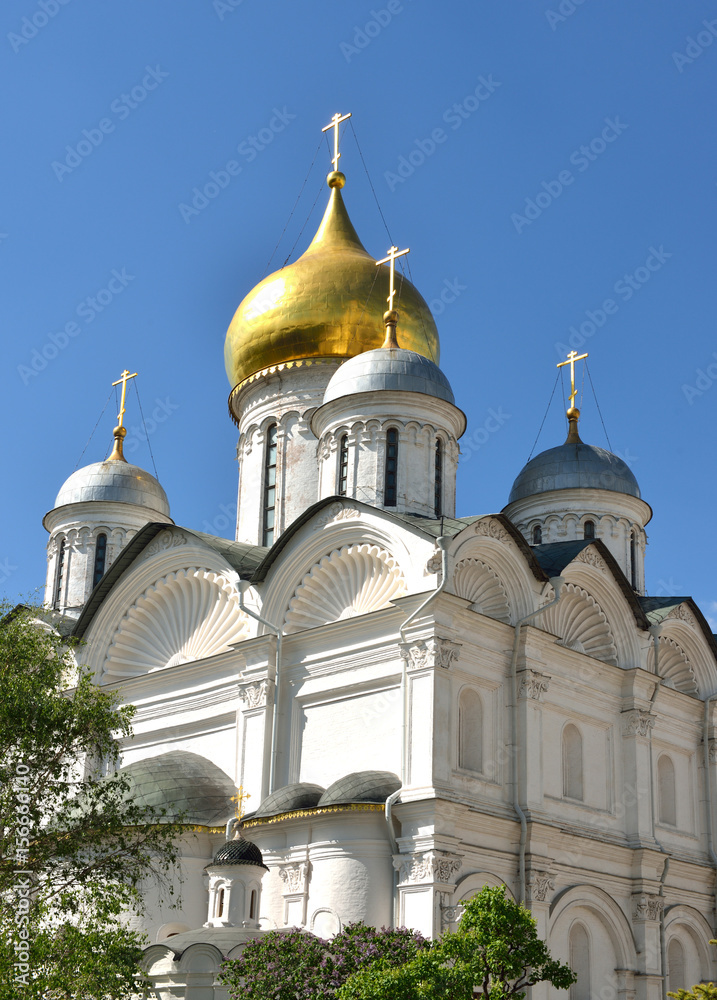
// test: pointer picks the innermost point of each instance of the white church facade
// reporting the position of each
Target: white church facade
(415, 704)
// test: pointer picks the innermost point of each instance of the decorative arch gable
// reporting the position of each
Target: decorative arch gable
(187, 615)
(581, 624)
(476, 582)
(350, 581)
(674, 666)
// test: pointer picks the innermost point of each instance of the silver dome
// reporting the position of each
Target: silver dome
(574, 466)
(117, 481)
(389, 368)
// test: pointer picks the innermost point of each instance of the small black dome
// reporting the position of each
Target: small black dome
(239, 852)
(361, 786)
(298, 796)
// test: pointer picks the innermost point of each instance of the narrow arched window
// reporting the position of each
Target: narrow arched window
(100, 559)
(579, 947)
(59, 573)
(633, 561)
(343, 477)
(589, 529)
(666, 805)
(269, 486)
(219, 908)
(572, 763)
(676, 966)
(438, 479)
(470, 731)
(391, 476)
(252, 905)
(537, 535)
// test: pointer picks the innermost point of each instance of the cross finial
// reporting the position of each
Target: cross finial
(573, 356)
(573, 412)
(334, 124)
(393, 253)
(120, 431)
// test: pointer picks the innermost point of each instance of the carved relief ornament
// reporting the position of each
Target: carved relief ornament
(428, 867)
(590, 557)
(635, 722)
(336, 512)
(533, 684)
(434, 652)
(490, 528)
(165, 540)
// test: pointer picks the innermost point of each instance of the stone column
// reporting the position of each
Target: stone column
(424, 880)
(254, 726)
(636, 802)
(427, 661)
(532, 686)
(647, 913)
(540, 887)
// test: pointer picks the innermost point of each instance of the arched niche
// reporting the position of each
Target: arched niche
(489, 542)
(688, 925)
(688, 636)
(593, 907)
(597, 579)
(673, 665)
(581, 624)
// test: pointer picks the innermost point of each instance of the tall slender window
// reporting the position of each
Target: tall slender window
(633, 561)
(100, 559)
(438, 479)
(59, 574)
(676, 966)
(269, 486)
(589, 529)
(343, 465)
(537, 535)
(666, 805)
(572, 763)
(579, 946)
(252, 905)
(470, 731)
(389, 491)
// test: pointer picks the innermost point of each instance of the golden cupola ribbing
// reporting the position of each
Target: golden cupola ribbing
(327, 304)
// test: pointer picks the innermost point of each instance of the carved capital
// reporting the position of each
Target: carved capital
(647, 907)
(428, 867)
(434, 652)
(540, 884)
(533, 684)
(256, 694)
(294, 877)
(635, 722)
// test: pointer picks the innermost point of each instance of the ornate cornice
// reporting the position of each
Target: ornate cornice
(318, 811)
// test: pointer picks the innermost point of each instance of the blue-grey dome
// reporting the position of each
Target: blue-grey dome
(184, 784)
(361, 786)
(574, 465)
(390, 368)
(117, 481)
(302, 795)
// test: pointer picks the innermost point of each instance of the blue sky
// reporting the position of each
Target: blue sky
(538, 158)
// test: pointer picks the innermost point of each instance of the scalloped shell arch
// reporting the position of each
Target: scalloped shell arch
(475, 581)
(581, 624)
(187, 615)
(675, 667)
(350, 581)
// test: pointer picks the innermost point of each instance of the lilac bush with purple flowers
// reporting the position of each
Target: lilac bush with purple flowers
(295, 965)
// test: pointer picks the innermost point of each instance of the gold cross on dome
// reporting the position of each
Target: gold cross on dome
(573, 356)
(393, 253)
(123, 379)
(334, 124)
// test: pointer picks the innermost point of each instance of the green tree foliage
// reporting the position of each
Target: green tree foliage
(294, 965)
(74, 847)
(702, 991)
(495, 953)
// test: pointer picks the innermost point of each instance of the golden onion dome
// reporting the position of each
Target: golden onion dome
(329, 303)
